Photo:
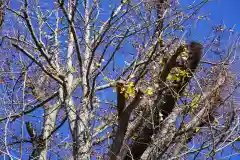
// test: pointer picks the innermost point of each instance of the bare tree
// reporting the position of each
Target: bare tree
(99, 79)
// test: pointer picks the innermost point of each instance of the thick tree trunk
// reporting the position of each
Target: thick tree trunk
(166, 100)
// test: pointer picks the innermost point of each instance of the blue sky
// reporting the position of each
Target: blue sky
(225, 12)
(221, 12)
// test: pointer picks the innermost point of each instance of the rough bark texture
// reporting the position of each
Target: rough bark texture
(166, 100)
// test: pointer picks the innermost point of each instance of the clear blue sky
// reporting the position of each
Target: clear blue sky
(221, 11)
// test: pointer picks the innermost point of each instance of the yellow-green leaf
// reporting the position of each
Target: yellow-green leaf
(195, 101)
(98, 65)
(169, 77)
(72, 69)
(149, 91)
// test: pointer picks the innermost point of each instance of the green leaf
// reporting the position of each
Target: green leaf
(149, 91)
(72, 69)
(98, 65)
(106, 78)
(195, 101)
(197, 129)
